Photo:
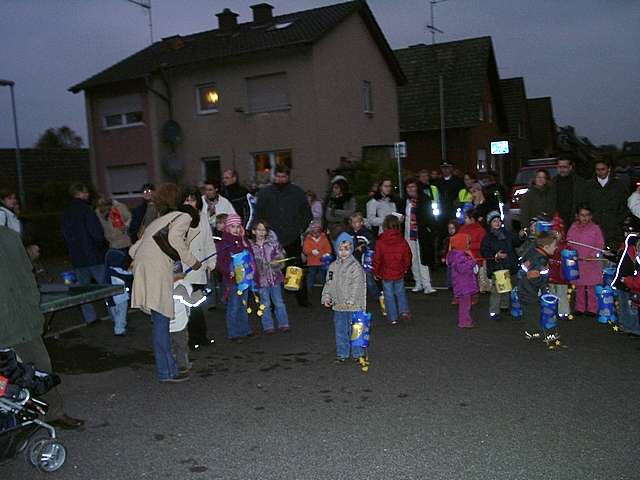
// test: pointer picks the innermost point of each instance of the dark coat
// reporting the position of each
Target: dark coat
(448, 195)
(237, 195)
(83, 234)
(286, 210)
(137, 216)
(427, 229)
(609, 206)
(533, 282)
(578, 191)
(360, 244)
(537, 202)
(494, 242)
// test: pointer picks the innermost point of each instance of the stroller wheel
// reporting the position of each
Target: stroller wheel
(47, 455)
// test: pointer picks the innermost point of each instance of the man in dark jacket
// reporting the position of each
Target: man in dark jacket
(141, 213)
(285, 208)
(449, 186)
(607, 198)
(22, 321)
(236, 194)
(568, 188)
(84, 237)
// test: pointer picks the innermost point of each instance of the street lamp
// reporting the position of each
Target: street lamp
(10, 84)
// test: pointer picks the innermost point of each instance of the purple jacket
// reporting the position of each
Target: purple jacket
(230, 245)
(268, 276)
(463, 278)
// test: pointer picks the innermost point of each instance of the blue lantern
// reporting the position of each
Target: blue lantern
(243, 270)
(543, 226)
(570, 269)
(608, 274)
(516, 308)
(360, 326)
(367, 260)
(548, 311)
(326, 260)
(606, 304)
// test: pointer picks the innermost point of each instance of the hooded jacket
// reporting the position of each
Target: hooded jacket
(392, 258)
(345, 286)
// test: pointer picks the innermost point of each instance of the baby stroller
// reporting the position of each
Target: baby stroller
(20, 428)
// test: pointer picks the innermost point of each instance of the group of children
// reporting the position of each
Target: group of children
(532, 261)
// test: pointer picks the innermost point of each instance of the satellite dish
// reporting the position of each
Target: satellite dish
(172, 133)
(173, 165)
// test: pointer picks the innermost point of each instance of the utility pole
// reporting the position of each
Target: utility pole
(432, 28)
(147, 5)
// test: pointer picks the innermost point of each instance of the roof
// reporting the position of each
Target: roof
(293, 29)
(465, 65)
(514, 97)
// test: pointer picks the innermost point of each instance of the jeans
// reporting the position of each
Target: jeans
(628, 313)
(372, 286)
(267, 296)
(342, 322)
(313, 272)
(165, 363)
(85, 274)
(118, 314)
(236, 314)
(395, 298)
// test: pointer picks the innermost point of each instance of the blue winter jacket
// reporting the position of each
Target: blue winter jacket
(83, 234)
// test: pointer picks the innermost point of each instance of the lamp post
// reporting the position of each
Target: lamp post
(10, 84)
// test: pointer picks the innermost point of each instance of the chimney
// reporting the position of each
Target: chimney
(262, 13)
(227, 21)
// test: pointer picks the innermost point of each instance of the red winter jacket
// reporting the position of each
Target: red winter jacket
(477, 233)
(392, 257)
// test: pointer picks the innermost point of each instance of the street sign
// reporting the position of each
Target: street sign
(500, 148)
(400, 149)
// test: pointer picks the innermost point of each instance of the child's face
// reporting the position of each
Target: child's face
(451, 229)
(356, 224)
(468, 220)
(532, 228)
(584, 216)
(235, 230)
(260, 231)
(496, 223)
(550, 249)
(220, 224)
(344, 250)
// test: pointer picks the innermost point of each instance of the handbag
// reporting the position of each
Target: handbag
(161, 237)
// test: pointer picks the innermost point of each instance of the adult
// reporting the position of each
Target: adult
(22, 322)
(233, 191)
(420, 232)
(569, 189)
(383, 203)
(607, 198)
(285, 208)
(464, 195)
(481, 204)
(340, 205)
(201, 245)
(152, 290)
(84, 238)
(8, 215)
(633, 203)
(449, 186)
(213, 203)
(539, 201)
(114, 217)
(317, 212)
(494, 189)
(144, 213)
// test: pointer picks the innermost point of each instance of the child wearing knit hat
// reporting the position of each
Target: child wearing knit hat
(464, 269)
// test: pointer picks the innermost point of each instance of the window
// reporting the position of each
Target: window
(367, 96)
(121, 112)
(211, 168)
(127, 180)
(267, 93)
(265, 162)
(481, 163)
(481, 113)
(207, 98)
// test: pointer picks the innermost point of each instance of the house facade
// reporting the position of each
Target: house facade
(305, 89)
(472, 103)
(516, 109)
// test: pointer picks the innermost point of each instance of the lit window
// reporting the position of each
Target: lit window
(207, 98)
(266, 162)
(367, 96)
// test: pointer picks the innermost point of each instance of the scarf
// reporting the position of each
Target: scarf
(413, 222)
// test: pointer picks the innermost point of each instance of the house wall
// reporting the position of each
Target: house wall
(121, 146)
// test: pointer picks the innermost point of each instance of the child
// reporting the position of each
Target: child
(558, 285)
(266, 252)
(221, 222)
(117, 273)
(477, 232)
(463, 268)
(315, 246)
(214, 278)
(627, 285)
(233, 242)
(364, 240)
(583, 230)
(391, 261)
(345, 291)
(498, 250)
(533, 281)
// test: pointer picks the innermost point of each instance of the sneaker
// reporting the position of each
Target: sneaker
(269, 331)
(416, 289)
(394, 322)
(429, 290)
(181, 377)
(406, 316)
(339, 360)
(495, 317)
(284, 329)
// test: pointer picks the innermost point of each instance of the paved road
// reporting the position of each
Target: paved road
(437, 403)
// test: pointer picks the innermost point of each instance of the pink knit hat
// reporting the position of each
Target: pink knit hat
(233, 219)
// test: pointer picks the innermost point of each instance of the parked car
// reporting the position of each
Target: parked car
(521, 185)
